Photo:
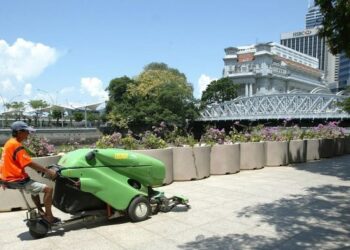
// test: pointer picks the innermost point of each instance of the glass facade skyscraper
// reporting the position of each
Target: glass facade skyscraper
(344, 71)
(313, 17)
(307, 42)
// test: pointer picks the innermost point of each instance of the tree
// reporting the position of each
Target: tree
(78, 116)
(155, 75)
(117, 91)
(336, 24)
(219, 91)
(159, 93)
(37, 105)
(92, 116)
(18, 107)
(57, 114)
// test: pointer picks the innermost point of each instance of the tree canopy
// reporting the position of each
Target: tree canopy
(38, 104)
(159, 93)
(219, 91)
(336, 24)
(78, 116)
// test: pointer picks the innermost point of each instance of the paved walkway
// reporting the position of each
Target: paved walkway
(305, 206)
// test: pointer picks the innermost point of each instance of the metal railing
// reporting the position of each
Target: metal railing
(277, 106)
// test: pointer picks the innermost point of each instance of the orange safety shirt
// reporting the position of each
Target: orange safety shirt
(13, 161)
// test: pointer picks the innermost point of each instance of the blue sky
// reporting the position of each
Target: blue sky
(67, 51)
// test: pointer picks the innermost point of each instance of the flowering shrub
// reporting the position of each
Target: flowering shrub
(151, 141)
(238, 137)
(246, 134)
(311, 133)
(213, 136)
(298, 133)
(329, 131)
(181, 141)
(270, 133)
(110, 141)
(162, 131)
(129, 142)
(70, 146)
(255, 135)
(38, 146)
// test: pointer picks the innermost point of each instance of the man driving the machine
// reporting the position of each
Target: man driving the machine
(13, 162)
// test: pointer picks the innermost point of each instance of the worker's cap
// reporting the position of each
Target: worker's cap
(19, 125)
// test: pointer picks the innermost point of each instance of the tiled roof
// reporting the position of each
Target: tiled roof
(299, 66)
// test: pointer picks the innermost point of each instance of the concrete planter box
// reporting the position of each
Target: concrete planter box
(12, 199)
(312, 149)
(164, 155)
(276, 153)
(225, 159)
(252, 155)
(347, 145)
(339, 144)
(327, 148)
(297, 151)
(191, 163)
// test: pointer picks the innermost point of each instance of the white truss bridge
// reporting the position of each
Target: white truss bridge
(277, 106)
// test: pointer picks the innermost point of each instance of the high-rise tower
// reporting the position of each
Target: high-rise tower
(308, 42)
(313, 17)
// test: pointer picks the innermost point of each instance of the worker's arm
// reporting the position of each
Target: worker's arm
(52, 174)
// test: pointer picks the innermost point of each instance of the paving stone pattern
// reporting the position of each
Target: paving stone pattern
(302, 206)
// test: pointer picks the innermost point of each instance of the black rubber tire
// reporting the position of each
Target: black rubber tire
(139, 209)
(38, 228)
(36, 235)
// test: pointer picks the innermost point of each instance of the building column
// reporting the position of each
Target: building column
(246, 90)
(251, 89)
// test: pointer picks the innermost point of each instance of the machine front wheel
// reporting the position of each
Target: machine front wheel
(139, 209)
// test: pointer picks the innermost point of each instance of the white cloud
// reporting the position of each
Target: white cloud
(6, 85)
(25, 59)
(203, 82)
(67, 90)
(27, 89)
(94, 87)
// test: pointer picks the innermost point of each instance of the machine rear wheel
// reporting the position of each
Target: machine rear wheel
(36, 235)
(139, 209)
(37, 228)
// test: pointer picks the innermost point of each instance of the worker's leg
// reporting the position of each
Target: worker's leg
(35, 188)
(36, 200)
(48, 191)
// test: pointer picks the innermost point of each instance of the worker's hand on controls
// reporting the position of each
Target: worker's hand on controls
(51, 174)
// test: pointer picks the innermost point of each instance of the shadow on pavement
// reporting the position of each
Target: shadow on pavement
(230, 241)
(319, 219)
(87, 225)
(82, 225)
(337, 166)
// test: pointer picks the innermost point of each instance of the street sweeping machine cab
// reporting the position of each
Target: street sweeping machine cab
(107, 183)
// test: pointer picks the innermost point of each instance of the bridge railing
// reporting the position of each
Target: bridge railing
(277, 106)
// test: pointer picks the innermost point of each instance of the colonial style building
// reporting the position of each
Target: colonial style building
(268, 68)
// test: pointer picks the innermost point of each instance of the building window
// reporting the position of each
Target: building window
(297, 44)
